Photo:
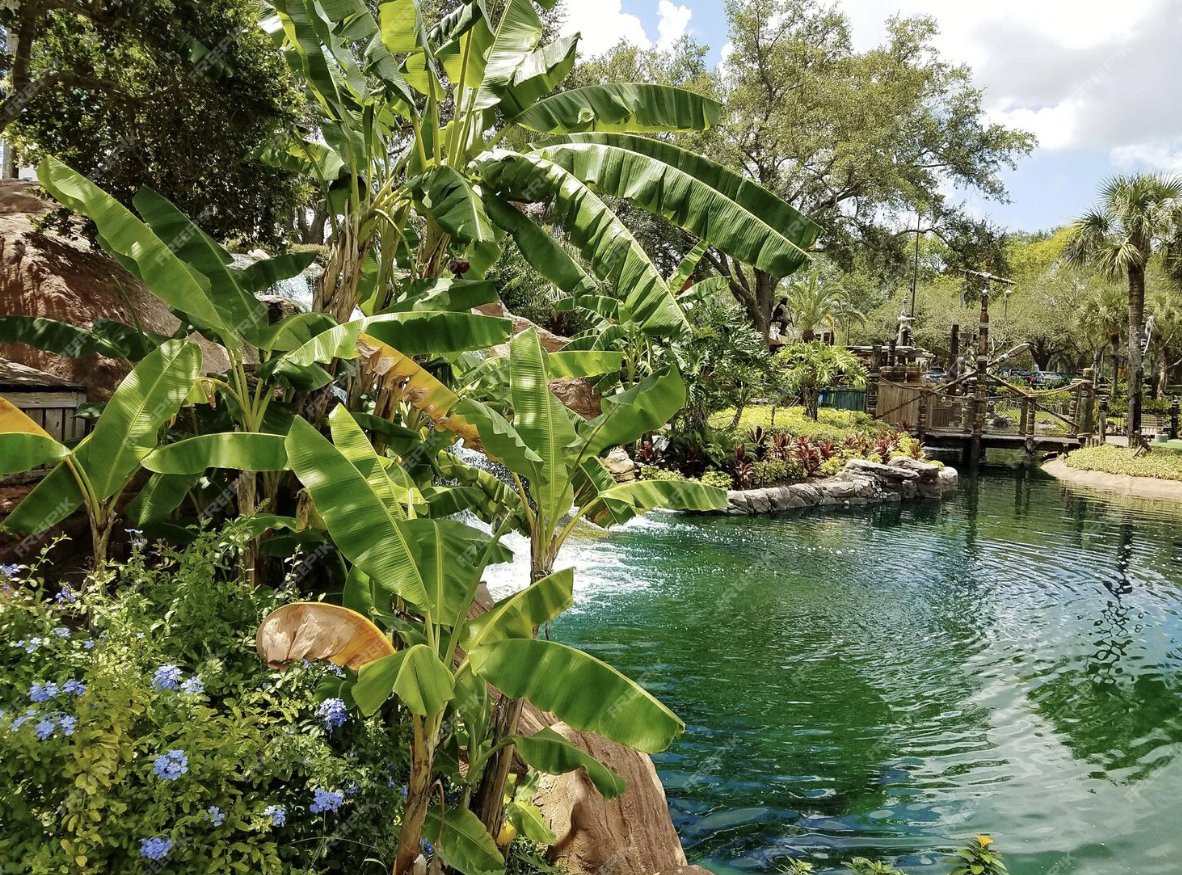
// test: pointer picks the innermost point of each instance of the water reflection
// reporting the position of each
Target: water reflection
(888, 681)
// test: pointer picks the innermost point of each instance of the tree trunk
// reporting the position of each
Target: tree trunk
(418, 797)
(1136, 366)
(20, 45)
(489, 803)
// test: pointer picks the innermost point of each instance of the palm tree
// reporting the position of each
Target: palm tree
(1138, 218)
(1102, 319)
(815, 301)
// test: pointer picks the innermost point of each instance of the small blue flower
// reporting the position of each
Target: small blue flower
(74, 688)
(277, 813)
(10, 571)
(88, 644)
(336, 669)
(61, 632)
(171, 765)
(40, 693)
(45, 728)
(333, 712)
(326, 800)
(18, 722)
(426, 847)
(67, 724)
(28, 645)
(66, 596)
(215, 815)
(155, 848)
(193, 686)
(138, 542)
(351, 789)
(167, 677)
(405, 791)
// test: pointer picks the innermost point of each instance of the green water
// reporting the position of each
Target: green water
(887, 682)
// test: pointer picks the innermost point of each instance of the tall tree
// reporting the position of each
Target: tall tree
(854, 140)
(173, 94)
(1137, 219)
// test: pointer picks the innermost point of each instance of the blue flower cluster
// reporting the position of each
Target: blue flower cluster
(138, 541)
(65, 596)
(171, 765)
(326, 800)
(215, 815)
(333, 712)
(168, 677)
(277, 813)
(43, 692)
(10, 571)
(155, 848)
(48, 724)
(28, 645)
(426, 847)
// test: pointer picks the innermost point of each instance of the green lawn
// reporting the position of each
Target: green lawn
(1160, 463)
(832, 425)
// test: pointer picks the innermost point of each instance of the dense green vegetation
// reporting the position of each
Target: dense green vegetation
(1161, 463)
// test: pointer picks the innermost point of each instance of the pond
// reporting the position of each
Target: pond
(888, 682)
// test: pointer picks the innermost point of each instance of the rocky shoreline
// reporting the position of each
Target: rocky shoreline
(860, 483)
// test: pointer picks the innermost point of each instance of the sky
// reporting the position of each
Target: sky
(1099, 84)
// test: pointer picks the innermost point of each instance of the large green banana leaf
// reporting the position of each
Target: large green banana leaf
(242, 311)
(501, 440)
(628, 416)
(499, 501)
(389, 482)
(549, 752)
(582, 691)
(50, 502)
(235, 450)
(22, 451)
(710, 201)
(625, 500)
(161, 495)
(540, 250)
(518, 615)
(539, 74)
(457, 207)
(625, 108)
(363, 527)
(541, 421)
(145, 401)
(413, 333)
(294, 331)
(133, 244)
(462, 841)
(264, 274)
(415, 675)
(57, 337)
(518, 33)
(438, 295)
(595, 231)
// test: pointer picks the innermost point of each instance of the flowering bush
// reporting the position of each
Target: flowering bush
(139, 728)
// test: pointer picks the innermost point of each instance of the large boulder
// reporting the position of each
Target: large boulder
(550, 342)
(578, 395)
(63, 278)
(631, 835)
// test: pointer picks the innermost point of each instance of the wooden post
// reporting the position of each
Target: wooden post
(1102, 424)
(872, 379)
(1089, 410)
(1025, 418)
(982, 395)
(1031, 417)
(921, 428)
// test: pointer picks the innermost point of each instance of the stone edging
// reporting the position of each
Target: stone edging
(860, 483)
(1150, 488)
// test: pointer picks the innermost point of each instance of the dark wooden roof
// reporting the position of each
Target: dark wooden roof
(22, 378)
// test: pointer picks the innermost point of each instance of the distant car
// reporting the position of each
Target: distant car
(1048, 380)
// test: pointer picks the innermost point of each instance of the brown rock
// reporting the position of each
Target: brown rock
(578, 395)
(550, 342)
(63, 278)
(631, 835)
(620, 465)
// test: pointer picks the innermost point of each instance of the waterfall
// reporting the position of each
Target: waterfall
(296, 288)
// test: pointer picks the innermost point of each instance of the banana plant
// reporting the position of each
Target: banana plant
(420, 577)
(95, 473)
(269, 364)
(413, 122)
(554, 458)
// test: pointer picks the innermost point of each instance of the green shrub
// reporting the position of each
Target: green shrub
(774, 472)
(832, 425)
(651, 472)
(143, 724)
(832, 467)
(719, 479)
(1161, 463)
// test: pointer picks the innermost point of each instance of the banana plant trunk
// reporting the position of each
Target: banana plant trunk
(418, 798)
(489, 804)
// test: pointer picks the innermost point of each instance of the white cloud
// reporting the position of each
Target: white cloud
(1074, 73)
(603, 23)
(673, 24)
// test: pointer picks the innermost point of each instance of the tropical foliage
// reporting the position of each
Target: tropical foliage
(807, 368)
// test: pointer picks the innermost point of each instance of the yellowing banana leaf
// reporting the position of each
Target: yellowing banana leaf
(416, 387)
(320, 632)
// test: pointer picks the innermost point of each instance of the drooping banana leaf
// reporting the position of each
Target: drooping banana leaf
(710, 201)
(262, 275)
(628, 416)
(462, 841)
(518, 33)
(61, 338)
(161, 495)
(621, 107)
(23, 451)
(518, 615)
(582, 691)
(539, 74)
(549, 752)
(595, 231)
(416, 676)
(235, 450)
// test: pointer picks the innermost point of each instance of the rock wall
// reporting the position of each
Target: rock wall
(860, 483)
